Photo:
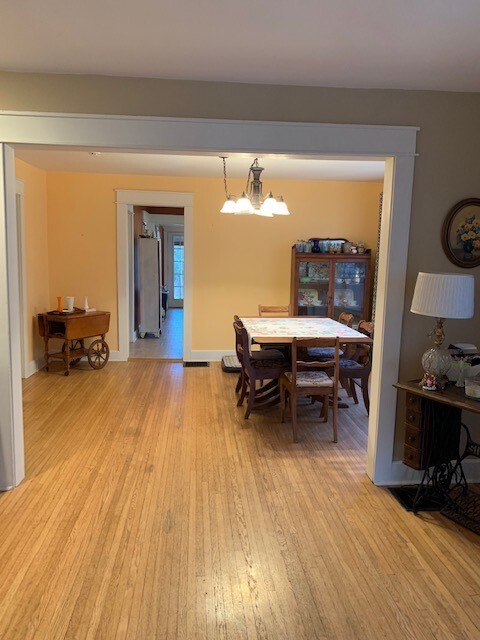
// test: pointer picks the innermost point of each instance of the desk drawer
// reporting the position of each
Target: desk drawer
(413, 437)
(413, 418)
(413, 402)
(412, 457)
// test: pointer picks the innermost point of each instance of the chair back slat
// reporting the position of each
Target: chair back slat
(300, 346)
(346, 318)
(274, 310)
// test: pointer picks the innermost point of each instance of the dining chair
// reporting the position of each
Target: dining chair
(257, 366)
(276, 311)
(355, 368)
(346, 318)
(327, 354)
(317, 379)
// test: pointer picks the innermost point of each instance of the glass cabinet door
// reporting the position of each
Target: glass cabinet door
(349, 290)
(313, 288)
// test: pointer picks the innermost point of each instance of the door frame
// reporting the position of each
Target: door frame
(125, 200)
(169, 260)
(22, 279)
(394, 144)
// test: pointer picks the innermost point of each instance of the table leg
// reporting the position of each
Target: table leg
(444, 471)
(67, 357)
(45, 346)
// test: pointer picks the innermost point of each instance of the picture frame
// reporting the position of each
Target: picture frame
(461, 233)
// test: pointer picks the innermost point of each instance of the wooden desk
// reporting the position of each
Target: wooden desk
(433, 433)
(73, 329)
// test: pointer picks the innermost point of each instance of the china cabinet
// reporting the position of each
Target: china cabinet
(325, 284)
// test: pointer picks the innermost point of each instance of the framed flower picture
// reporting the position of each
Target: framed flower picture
(461, 233)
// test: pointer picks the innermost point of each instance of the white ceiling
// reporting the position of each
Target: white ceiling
(410, 44)
(76, 160)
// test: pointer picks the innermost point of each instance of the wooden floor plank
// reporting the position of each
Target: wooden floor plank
(152, 509)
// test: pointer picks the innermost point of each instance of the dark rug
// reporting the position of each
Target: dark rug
(465, 510)
(428, 501)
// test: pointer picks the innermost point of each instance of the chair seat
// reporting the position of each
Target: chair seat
(323, 352)
(311, 379)
(269, 363)
(267, 354)
(350, 364)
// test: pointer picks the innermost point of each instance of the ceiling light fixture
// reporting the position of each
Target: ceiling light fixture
(252, 200)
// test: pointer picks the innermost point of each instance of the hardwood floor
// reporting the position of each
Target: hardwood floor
(153, 510)
(169, 346)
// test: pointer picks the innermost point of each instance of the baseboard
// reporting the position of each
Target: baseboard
(403, 475)
(197, 355)
(34, 366)
(117, 356)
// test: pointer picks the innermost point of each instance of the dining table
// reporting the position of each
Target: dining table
(283, 330)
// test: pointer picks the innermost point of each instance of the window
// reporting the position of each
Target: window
(178, 267)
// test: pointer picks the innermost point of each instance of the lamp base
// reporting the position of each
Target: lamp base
(436, 361)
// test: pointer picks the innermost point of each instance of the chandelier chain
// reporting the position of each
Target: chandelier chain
(224, 158)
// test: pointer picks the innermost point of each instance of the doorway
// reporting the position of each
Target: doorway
(394, 144)
(166, 226)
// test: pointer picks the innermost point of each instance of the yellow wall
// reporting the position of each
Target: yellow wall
(238, 262)
(36, 250)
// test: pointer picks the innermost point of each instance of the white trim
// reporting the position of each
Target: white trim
(174, 134)
(124, 199)
(33, 366)
(12, 465)
(390, 302)
(131, 274)
(403, 475)
(22, 274)
(200, 355)
(397, 144)
(116, 356)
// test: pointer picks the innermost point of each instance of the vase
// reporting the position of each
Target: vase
(468, 250)
(316, 245)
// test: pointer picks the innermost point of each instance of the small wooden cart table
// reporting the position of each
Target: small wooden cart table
(73, 329)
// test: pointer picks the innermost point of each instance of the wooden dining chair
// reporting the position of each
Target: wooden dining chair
(346, 318)
(326, 353)
(355, 368)
(257, 366)
(310, 378)
(276, 311)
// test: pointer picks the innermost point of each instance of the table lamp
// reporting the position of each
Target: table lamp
(442, 295)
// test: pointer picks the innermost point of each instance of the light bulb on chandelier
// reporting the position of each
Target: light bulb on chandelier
(252, 201)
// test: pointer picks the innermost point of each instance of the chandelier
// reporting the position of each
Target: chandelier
(252, 200)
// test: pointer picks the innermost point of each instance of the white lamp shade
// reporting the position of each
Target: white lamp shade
(281, 208)
(244, 206)
(444, 295)
(269, 205)
(229, 206)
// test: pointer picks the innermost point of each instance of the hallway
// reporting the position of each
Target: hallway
(170, 344)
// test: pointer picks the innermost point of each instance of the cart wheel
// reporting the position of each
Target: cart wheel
(76, 344)
(97, 354)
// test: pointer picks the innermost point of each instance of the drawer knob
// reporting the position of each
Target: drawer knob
(411, 417)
